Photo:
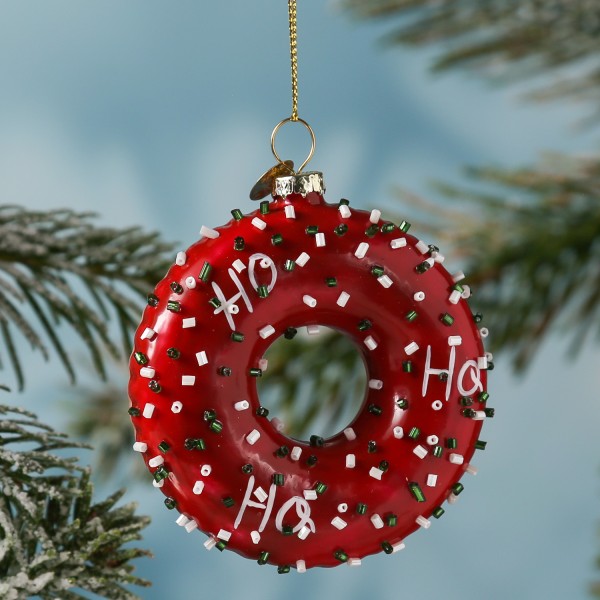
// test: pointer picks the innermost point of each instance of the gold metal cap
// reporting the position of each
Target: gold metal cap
(302, 183)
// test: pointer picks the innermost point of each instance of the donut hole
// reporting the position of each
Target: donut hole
(315, 384)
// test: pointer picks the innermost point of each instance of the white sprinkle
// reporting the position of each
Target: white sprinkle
(349, 433)
(423, 522)
(238, 265)
(255, 536)
(437, 405)
(261, 494)
(354, 562)
(343, 299)
(385, 281)
(377, 521)
(482, 362)
(156, 461)
(489, 356)
(350, 461)
(375, 216)
(258, 223)
(148, 334)
(313, 329)
(344, 211)
(190, 283)
(309, 300)
(361, 251)
(182, 520)
(266, 331)
(419, 296)
(210, 543)
(140, 447)
(422, 247)
(432, 480)
(201, 358)
(158, 484)
(459, 276)
(456, 459)
(241, 405)
(290, 213)
(375, 384)
(376, 473)
(278, 424)
(303, 533)
(205, 470)
(411, 348)
(398, 432)
(188, 380)
(420, 452)
(147, 372)
(265, 263)
(198, 487)
(484, 332)
(300, 566)
(191, 526)
(189, 322)
(320, 240)
(180, 259)
(439, 258)
(343, 507)
(224, 535)
(452, 499)
(479, 415)
(302, 259)
(149, 411)
(432, 440)
(398, 243)
(472, 470)
(296, 453)
(454, 340)
(466, 293)
(252, 437)
(370, 343)
(310, 494)
(263, 364)
(398, 546)
(454, 297)
(208, 232)
(338, 523)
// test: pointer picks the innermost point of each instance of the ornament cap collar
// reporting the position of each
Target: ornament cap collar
(302, 183)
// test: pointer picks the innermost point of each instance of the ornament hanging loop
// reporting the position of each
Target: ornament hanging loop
(312, 138)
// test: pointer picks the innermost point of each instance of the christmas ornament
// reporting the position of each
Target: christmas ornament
(295, 262)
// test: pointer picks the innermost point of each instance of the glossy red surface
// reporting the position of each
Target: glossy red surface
(286, 507)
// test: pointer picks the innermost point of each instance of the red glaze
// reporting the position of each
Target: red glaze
(226, 452)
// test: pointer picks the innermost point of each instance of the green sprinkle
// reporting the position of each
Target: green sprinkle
(290, 333)
(228, 501)
(140, 358)
(407, 366)
(372, 447)
(316, 441)
(261, 411)
(433, 248)
(414, 433)
(160, 474)
(176, 288)
(282, 570)
(377, 270)
(134, 412)
(477, 317)
(263, 557)
(387, 228)
(312, 229)
(411, 315)
(416, 491)
(480, 445)
(392, 520)
(209, 415)
(164, 447)
(423, 267)
(276, 239)
(278, 479)
(484, 397)
(215, 302)
(457, 488)
(341, 556)
(194, 444)
(469, 413)
(247, 468)
(320, 488)
(287, 530)
(489, 412)
(402, 403)
(173, 353)
(438, 451)
(221, 545)
(466, 401)
(361, 508)
(170, 503)
(173, 306)
(237, 336)
(264, 207)
(404, 226)
(311, 461)
(154, 386)
(289, 265)
(387, 547)
(239, 243)
(458, 288)
(341, 229)
(224, 371)
(254, 372)
(237, 214)
(152, 300)
(216, 426)
(447, 319)
(282, 451)
(343, 201)
(371, 230)
(263, 291)
(364, 325)
(451, 443)
(205, 272)
(438, 512)
(331, 281)
(374, 409)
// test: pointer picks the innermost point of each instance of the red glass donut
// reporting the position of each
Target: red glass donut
(226, 468)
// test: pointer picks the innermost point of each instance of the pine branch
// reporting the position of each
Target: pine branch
(53, 539)
(58, 268)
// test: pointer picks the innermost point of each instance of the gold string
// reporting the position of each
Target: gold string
(293, 58)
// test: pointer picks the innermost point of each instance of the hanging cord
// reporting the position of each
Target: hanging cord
(293, 57)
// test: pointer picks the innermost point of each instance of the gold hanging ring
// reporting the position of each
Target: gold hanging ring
(312, 138)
